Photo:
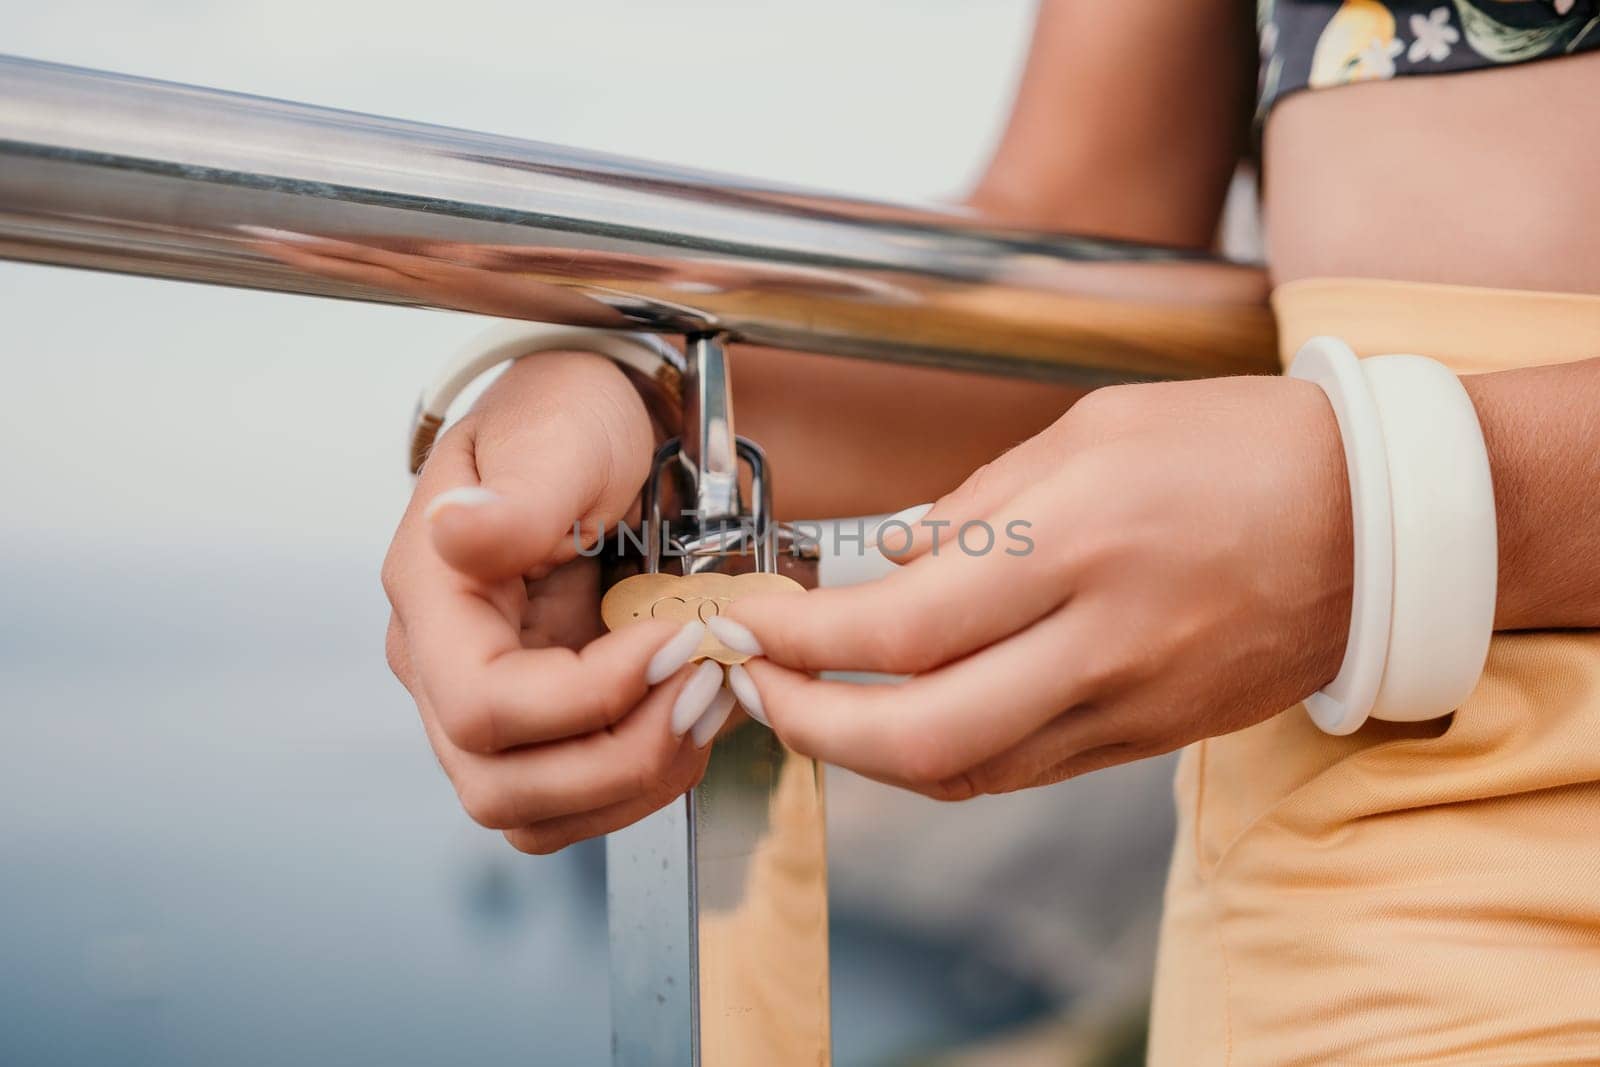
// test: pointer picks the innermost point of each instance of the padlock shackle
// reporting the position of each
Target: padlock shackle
(760, 517)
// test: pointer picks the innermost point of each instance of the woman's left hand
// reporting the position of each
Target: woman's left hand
(1189, 575)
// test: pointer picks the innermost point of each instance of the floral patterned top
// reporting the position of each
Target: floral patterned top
(1313, 44)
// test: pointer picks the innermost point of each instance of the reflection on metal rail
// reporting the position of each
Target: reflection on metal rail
(127, 174)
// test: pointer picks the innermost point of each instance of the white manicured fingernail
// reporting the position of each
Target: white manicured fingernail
(462, 496)
(910, 516)
(706, 727)
(744, 688)
(696, 696)
(675, 653)
(735, 635)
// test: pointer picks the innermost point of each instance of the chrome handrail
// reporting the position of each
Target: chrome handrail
(129, 174)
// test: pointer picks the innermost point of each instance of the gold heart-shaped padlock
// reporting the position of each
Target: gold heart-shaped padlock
(686, 598)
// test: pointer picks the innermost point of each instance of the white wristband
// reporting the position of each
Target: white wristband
(648, 359)
(1425, 540)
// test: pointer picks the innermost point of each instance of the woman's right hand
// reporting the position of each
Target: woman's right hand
(550, 729)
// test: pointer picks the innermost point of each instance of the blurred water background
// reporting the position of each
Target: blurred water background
(222, 837)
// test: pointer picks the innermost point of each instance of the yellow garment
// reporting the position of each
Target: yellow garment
(764, 958)
(1422, 893)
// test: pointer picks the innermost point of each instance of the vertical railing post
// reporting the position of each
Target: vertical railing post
(717, 904)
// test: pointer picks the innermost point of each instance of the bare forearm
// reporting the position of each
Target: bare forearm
(849, 437)
(1542, 429)
(1144, 148)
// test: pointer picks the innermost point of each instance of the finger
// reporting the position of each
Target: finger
(516, 696)
(552, 835)
(912, 620)
(537, 782)
(1073, 743)
(397, 653)
(746, 694)
(416, 577)
(698, 694)
(559, 463)
(937, 725)
(563, 607)
(457, 618)
(894, 535)
(713, 719)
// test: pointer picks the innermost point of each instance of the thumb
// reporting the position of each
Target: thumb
(550, 459)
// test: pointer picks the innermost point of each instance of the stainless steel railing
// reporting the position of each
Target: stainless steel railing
(118, 173)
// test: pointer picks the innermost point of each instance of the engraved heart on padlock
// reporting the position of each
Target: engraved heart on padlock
(686, 598)
(675, 608)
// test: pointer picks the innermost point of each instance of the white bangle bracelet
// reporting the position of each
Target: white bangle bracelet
(649, 362)
(1343, 705)
(1426, 547)
(1446, 544)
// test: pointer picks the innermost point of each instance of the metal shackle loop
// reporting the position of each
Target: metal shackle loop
(759, 516)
